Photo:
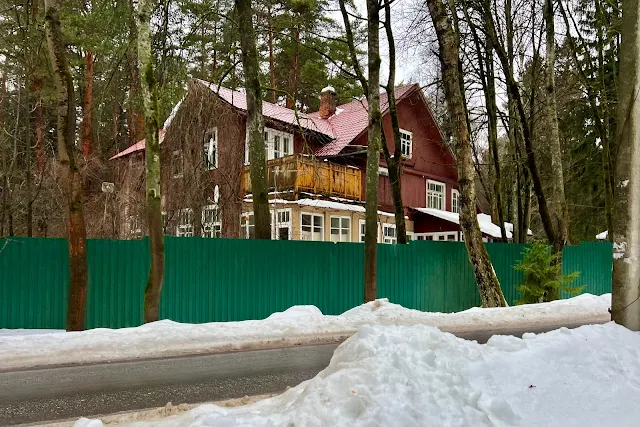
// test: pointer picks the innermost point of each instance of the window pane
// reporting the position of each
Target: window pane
(335, 222)
(306, 219)
(346, 223)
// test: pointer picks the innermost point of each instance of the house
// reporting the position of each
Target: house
(316, 170)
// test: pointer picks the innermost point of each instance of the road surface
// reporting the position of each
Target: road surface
(37, 395)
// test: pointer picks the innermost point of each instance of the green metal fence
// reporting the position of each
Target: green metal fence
(223, 279)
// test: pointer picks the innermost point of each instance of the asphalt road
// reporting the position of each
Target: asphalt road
(38, 395)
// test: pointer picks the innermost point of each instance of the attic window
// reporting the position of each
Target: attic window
(177, 164)
(406, 143)
(210, 149)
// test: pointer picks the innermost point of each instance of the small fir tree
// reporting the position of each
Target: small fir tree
(543, 280)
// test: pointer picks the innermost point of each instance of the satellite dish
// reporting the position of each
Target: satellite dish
(216, 194)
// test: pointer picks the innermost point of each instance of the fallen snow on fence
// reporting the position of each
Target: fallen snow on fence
(297, 325)
(404, 376)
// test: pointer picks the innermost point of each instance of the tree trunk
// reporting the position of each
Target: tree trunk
(255, 121)
(625, 300)
(488, 285)
(135, 120)
(87, 105)
(492, 116)
(374, 134)
(272, 65)
(559, 202)
(69, 172)
(394, 162)
(39, 119)
(149, 85)
(513, 89)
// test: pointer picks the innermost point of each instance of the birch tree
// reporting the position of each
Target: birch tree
(448, 42)
(625, 300)
(559, 202)
(148, 84)
(255, 121)
(70, 178)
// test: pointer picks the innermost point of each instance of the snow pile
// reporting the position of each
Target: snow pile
(297, 325)
(402, 376)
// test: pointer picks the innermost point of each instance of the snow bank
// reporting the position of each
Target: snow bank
(402, 376)
(297, 325)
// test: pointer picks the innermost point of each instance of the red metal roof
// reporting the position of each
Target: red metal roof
(138, 146)
(273, 111)
(349, 121)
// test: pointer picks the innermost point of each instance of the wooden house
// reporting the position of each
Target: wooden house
(316, 170)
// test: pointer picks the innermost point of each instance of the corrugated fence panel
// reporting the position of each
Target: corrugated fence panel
(594, 262)
(34, 278)
(504, 258)
(118, 271)
(210, 280)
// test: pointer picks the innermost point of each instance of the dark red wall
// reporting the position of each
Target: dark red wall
(431, 157)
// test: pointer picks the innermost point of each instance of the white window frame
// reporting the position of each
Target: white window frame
(185, 228)
(213, 228)
(361, 234)
(210, 149)
(177, 160)
(272, 151)
(340, 228)
(455, 201)
(278, 224)
(245, 226)
(436, 236)
(443, 193)
(406, 143)
(389, 240)
(313, 226)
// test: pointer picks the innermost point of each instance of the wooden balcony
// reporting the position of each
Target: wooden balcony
(300, 173)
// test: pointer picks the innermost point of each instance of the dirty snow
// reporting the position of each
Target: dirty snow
(297, 325)
(404, 376)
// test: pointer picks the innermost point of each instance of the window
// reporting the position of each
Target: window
(406, 143)
(312, 227)
(455, 201)
(211, 223)
(247, 226)
(447, 236)
(281, 220)
(340, 229)
(277, 144)
(210, 149)
(177, 164)
(435, 195)
(389, 235)
(362, 230)
(185, 223)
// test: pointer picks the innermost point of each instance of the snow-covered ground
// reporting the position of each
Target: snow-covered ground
(403, 376)
(298, 325)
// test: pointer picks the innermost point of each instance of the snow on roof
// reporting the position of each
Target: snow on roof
(509, 227)
(603, 235)
(319, 203)
(328, 89)
(486, 226)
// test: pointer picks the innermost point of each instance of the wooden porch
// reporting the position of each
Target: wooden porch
(300, 173)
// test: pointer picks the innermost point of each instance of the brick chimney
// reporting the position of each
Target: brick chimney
(327, 102)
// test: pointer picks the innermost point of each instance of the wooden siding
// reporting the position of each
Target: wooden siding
(302, 173)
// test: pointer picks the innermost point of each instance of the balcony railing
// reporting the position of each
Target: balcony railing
(302, 173)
